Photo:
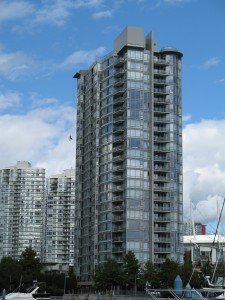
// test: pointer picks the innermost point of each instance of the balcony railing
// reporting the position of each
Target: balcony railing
(118, 188)
(118, 218)
(118, 100)
(119, 91)
(119, 109)
(162, 229)
(161, 208)
(118, 119)
(118, 82)
(161, 109)
(162, 249)
(118, 129)
(117, 198)
(118, 61)
(162, 119)
(161, 138)
(161, 72)
(161, 91)
(160, 62)
(119, 72)
(161, 100)
(118, 178)
(117, 249)
(118, 148)
(118, 208)
(118, 158)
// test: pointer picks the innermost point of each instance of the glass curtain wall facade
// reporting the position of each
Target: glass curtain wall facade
(129, 155)
(22, 194)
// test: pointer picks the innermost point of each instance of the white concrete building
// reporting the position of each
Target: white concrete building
(22, 189)
(204, 248)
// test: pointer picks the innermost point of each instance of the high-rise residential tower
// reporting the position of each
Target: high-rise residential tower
(58, 250)
(129, 155)
(22, 191)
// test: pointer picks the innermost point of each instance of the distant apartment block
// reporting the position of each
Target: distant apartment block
(197, 228)
(22, 191)
(58, 251)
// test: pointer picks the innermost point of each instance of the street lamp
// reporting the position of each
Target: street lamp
(66, 276)
(135, 284)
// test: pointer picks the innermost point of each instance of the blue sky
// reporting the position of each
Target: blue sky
(44, 43)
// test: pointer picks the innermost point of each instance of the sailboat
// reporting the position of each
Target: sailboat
(217, 287)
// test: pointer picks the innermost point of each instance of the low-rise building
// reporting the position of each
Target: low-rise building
(202, 249)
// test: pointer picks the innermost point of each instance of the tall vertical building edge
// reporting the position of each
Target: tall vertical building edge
(129, 155)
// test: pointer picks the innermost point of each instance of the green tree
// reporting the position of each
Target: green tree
(191, 275)
(150, 273)
(131, 269)
(54, 282)
(168, 272)
(30, 265)
(108, 275)
(10, 274)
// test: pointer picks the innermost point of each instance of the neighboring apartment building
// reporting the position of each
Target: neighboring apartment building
(195, 228)
(22, 189)
(129, 155)
(58, 251)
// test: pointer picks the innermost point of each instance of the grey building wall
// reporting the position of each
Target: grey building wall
(129, 155)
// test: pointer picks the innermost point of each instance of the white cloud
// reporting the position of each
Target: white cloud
(9, 99)
(37, 102)
(221, 81)
(15, 64)
(41, 136)
(54, 13)
(176, 2)
(204, 168)
(42, 12)
(88, 3)
(81, 57)
(211, 62)
(186, 118)
(102, 14)
(10, 10)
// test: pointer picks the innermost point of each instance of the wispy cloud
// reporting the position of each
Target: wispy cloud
(15, 64)
(9, 99)
(102, 14)
(19, 65)
(176, 2)
(81, 57)
(57, 12)
(10, 10)
(88, 3)
(36, 101)
(53, 13)
(186, 118)
(211, 62)
(221, 81)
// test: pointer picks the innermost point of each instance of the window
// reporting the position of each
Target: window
(134, 143)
